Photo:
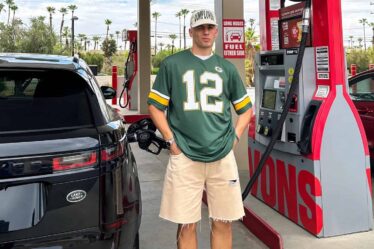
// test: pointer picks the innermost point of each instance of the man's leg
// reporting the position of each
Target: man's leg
(186, 236)
(224, 200)
(221, 235)
(181, 198)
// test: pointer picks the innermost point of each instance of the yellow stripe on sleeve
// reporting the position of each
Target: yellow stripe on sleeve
(158, 99)
(241, 104)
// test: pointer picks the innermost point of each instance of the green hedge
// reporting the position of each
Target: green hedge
(2, 86)
(93, 59)
(160, 56)
(155, 70)
(361, 58)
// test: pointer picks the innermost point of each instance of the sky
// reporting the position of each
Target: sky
(123, 14)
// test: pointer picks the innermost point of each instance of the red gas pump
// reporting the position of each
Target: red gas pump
(309, 159)
(131, 69)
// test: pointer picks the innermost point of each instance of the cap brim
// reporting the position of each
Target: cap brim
(202, 22)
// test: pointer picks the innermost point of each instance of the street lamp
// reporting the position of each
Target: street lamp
(74, 18)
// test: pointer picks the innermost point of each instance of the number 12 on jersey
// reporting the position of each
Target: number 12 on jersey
(205, 93)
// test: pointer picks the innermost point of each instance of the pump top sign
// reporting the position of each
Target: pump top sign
(233, 38)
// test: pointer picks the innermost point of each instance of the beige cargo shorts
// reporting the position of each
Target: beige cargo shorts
(185, 181)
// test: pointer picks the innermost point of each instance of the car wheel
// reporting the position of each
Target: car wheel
(136, 243)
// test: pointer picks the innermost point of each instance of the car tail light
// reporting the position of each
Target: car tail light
(76, 161)
(112, 153)
(116, 224)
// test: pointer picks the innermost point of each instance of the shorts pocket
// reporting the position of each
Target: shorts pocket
(228, 167)
(179, 162)
(176, 156)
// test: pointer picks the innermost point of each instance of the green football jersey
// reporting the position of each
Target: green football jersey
(198, 95)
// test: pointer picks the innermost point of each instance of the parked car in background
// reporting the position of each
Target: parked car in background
(68, 178)
(361, 90)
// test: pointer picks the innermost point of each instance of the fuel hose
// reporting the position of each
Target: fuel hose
(128, 78)
(287, 104)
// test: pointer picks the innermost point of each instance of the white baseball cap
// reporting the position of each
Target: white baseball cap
(204, 16)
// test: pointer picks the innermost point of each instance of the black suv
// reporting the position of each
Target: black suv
(68, 178)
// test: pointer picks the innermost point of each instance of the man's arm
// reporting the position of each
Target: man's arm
(242, 123)
(159, 119)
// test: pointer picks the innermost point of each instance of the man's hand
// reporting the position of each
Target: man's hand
(174, 149)
(236, 141)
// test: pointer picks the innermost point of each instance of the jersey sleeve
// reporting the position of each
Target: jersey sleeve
(238, 94)
(160, 92)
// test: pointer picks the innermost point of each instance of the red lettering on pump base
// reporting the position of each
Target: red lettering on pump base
(252, 169)
(287, 190)
(313, 222)
(268, 183)
(368, 174)
(281, 184)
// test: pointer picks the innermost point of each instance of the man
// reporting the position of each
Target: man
(198, 87)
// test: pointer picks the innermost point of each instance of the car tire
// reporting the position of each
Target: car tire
(136, 242)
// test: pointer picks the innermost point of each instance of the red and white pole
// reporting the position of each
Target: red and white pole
(114, 83)
(353, 69)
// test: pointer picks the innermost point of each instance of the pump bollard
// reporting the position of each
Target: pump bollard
(353, 69)
(114, 83)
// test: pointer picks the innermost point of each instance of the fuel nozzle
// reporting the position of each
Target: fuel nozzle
(306, 19)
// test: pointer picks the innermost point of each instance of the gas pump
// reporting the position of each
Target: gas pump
(128, 94)
(318, 172)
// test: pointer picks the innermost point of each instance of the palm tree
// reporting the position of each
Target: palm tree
(51, 11)
(184, 13)
(96, 40)
(41, 18)
(2, 7)
(10, 3)
(372, 26)
(81, 37)
(251, 41)
(359, 42)
(88, 42)
(364, 21)
(14, 8)
(179, 15)
(156, 15)
(351, 40)
(85, 42)
(107, 23)
(72, 8)
(63, 11)
(161, 45)
(66, 34)
(172, 37)
(117, 34)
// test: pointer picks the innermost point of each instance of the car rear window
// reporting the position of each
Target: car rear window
(363, 90)
(39, 100)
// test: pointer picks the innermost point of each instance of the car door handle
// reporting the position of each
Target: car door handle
(364, 111)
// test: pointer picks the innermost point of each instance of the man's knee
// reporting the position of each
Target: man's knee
(185, 229)
(221, 226)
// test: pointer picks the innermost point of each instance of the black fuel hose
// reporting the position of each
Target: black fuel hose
(126, 83)
(287, 104)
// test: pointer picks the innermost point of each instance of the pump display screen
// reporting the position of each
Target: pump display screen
(269, 98)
